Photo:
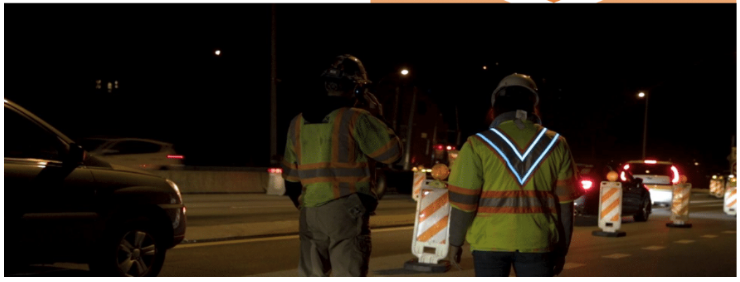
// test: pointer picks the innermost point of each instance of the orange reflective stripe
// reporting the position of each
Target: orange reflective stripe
(464, 207)
(383, 149)
(289, 165)
(433, 230)
(464, 191)
(350, 140)
(335, 136)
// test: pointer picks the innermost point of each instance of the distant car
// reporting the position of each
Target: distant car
(64, 206)
(635, 197)
(133, 152)
(658, 176)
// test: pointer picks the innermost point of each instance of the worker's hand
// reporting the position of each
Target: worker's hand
(372, 104)
(559, 264)
(454, 255)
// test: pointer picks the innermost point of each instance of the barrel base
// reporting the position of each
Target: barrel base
(415, 265)
(609, 234)
(684, 225)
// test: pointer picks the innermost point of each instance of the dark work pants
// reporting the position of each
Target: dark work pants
(335, 239)
(498, 264)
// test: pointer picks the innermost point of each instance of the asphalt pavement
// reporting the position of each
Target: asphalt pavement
(217, 217)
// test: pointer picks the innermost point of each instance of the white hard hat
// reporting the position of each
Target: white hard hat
(516, 79)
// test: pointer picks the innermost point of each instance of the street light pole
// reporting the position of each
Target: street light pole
(644, 130)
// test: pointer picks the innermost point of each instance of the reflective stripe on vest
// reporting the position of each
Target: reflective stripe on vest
(520, 165)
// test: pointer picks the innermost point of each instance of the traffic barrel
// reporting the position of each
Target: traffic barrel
(730, 206)
(610, 210)
(714, 186)
(430, 242)
(680, 204)
(275, 182)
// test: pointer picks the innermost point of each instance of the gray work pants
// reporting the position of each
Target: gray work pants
(335, 239)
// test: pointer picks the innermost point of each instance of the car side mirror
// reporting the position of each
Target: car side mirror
(76, 155)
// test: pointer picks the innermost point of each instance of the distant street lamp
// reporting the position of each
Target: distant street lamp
(644, 130)
(404, 72)
(485, 67)
(218, 52)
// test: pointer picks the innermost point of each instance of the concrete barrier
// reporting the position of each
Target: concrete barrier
(218, 179)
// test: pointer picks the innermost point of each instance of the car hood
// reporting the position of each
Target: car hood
(130, 169)
(93, 161)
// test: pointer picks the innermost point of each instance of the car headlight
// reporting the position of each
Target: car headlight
(177, 190)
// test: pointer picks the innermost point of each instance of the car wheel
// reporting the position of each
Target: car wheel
(135, 249)
(644, 212)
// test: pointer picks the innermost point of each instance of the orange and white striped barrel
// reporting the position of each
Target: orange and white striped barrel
(714, 186)
(610, 206)
(680, 205)
(431, 228)
(419, 177)
(731, 201)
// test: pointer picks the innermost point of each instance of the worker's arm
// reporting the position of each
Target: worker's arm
(465, 186)
(293, 187)
(567, 191)
(375, 138)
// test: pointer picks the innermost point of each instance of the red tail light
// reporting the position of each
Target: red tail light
(624, 178)
(675, 175)
(450, 148)
(275, 170)
(586, 184)
(626, 167)
(179, 157)
(440, 147)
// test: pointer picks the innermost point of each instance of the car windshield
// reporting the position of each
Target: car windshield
(655, 169)
(91, 144)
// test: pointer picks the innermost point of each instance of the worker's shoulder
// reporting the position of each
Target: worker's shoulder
(550, 133)
(358, 111)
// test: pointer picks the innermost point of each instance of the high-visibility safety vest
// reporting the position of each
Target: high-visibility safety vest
(332, 159)
(513, 179)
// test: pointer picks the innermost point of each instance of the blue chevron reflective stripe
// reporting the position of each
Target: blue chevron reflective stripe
(524, 171)
(515, 149)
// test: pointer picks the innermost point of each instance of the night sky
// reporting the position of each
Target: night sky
(590, 61)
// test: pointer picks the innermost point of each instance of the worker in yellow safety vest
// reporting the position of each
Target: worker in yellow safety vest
(512, 189)
(328, 166)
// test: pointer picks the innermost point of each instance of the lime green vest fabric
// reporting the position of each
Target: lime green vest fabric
(332, 159)
(513, 179)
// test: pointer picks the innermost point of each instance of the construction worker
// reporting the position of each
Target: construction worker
(512, 189)
(329, 171)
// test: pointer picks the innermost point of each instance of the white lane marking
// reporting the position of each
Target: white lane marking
(685, 241)
(729, 232)
(653, 248)
(572, 265)
(240, 241)
(616, 256)
(709, 236)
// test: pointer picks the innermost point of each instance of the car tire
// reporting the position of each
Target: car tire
(135, 248)
(644, 212)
